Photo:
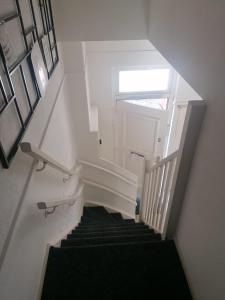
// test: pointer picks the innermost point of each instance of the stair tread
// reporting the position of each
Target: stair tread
(116, 216)
(110, 239)
(96, 212)
(113, 271)
(112, 233)
(125, 243)
(120, 224)
(109, 258)
(98, 222)
(109, 229)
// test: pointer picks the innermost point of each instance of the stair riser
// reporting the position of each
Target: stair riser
(100, 234)
(96, 221)
(110, 240)
(108, 258)
(86, 226)
(112, 229)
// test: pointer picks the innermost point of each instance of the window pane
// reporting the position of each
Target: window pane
(144, 80)
(21, 96)
(160, 104)
(9, 127)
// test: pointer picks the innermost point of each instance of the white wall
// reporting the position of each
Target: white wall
(25, 232)
(185, 92)
(75, 74)
(78, 20)
(190, 34)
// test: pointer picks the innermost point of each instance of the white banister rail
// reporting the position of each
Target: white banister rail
(157, 193)
(50, 206)
(39, 155)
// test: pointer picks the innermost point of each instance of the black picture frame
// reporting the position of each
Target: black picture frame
(30, 35)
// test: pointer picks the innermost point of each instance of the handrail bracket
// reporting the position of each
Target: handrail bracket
(66, 179)
(44, 163)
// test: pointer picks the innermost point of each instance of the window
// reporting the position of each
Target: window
(144, 80)
(145, 87)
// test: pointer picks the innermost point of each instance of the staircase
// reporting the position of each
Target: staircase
(107, 257)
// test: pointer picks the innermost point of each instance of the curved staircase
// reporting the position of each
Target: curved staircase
(107, 257)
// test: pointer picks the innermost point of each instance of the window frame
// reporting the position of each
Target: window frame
(121, 96)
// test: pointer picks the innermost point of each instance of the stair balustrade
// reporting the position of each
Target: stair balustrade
(157, 192)
(165, 183)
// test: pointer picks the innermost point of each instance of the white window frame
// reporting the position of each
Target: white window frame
(120, 96)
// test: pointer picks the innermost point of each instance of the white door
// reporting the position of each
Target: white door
(139, 130)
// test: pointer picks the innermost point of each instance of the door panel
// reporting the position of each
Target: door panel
(140, 135)
(139, 129)
(134, 127)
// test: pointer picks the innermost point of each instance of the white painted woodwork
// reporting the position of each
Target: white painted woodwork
(139, 137)
(99, 195)
(111, 167)
(108, 179)
(137, 166)
(166, 181)
(179, 113)
(156, 197)
(69, 201)
(39, 155)
(109, 188)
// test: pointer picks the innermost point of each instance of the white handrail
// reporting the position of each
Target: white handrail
(164, 161)
(39, 155)
(50, 206)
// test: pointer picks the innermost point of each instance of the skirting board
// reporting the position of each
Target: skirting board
(45, 261)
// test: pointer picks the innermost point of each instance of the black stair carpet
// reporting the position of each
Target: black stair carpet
(107, 257)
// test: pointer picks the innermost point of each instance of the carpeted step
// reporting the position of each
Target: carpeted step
(128, 271)
(111, 233)
(115, 225)
(111, 240)
(87, 222)
(96, 213)
(100, 226)
(110, 228)
(116, 217)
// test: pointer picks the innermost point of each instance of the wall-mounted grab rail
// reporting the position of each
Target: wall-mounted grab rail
(39, 155)
(50, 207)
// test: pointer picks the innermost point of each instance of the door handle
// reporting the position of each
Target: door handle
(138, 154)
